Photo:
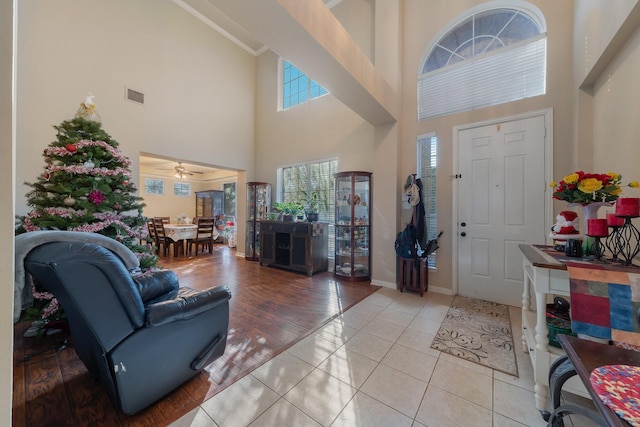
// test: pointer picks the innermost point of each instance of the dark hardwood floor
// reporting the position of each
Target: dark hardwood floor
(270, 310)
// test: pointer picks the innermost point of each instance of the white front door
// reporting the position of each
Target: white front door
(500, 204)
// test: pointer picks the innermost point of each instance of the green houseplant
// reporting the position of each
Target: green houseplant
(312, 205)
(289, 210)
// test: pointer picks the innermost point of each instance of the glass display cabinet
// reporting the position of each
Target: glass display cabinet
(353, 226)
(258, 205)
(209, 203)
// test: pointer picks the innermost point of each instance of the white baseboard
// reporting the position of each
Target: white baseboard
(383, 284)
(436, 289)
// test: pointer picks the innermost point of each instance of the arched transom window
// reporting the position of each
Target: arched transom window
(490, 57)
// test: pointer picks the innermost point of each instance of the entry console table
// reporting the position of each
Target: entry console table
(299, 246)
(582, 358)
(545, 276)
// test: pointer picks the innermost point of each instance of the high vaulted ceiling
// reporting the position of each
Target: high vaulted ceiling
(309, 35)
(207, 12)
(305, 32)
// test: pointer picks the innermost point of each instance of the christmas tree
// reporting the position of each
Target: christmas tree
(86, 186)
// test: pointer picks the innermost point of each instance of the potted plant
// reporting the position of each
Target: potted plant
(290, 210)
(276, 212)
(312, 205)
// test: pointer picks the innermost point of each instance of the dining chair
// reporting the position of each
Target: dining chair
(162, 239)
(204, 235)
(152, 233)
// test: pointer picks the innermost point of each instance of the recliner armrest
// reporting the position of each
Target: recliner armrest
(187, 304)
(158, 285)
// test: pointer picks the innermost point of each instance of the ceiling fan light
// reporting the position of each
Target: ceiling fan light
(178, 175)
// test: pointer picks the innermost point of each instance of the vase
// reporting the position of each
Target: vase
(588, 211)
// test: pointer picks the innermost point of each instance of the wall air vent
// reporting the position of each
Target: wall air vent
(135, 96)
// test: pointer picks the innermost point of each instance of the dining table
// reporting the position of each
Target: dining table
(181, 231)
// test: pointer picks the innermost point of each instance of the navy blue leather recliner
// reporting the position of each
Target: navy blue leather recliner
(141, 336)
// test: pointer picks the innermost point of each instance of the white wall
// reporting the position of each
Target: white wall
(7, 209)
(615, 124)
(199, 87)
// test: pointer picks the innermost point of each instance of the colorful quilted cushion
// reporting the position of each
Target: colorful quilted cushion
(619, 388)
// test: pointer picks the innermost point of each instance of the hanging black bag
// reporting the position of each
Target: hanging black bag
(405, 243)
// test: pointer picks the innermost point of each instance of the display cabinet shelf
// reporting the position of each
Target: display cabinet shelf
(353, 226)
(209, 203)
(258, 204)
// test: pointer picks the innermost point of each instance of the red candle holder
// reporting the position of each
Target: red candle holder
(628, 207)
(614, 221)
(597, 227)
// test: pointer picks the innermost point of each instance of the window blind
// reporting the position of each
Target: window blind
(513, 73)
(296, 86)
(427, 156)
(297, 182)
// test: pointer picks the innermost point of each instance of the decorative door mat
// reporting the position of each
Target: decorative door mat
(478, 331)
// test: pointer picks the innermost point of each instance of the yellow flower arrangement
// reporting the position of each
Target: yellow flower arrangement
(585, 188)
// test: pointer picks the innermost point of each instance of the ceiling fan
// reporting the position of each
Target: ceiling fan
(182, 172)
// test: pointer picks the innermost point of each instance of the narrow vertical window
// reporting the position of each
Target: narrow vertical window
(229, 199)
(427, 156)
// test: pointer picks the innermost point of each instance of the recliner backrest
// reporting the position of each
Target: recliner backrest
(92, 284)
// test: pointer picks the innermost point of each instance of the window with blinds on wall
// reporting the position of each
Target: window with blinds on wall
(297, 87)
(298, 182)
(427, 156)
(491, 57)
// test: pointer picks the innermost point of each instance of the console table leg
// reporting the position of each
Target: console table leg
(541, 392)
(541, 370)
(526, 307)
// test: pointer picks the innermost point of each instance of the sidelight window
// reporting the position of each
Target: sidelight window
(427, 160)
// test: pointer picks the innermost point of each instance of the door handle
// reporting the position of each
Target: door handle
(463, 224)
(463, 234)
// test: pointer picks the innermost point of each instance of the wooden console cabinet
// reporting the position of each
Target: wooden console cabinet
(298, 246)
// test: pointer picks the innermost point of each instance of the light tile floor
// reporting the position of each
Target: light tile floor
(373, 366)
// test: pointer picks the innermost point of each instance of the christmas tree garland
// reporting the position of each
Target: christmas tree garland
(85, 186)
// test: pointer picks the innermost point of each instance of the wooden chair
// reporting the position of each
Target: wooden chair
(152, 234)
(162, 239)
(165, 219)
(204, 235)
